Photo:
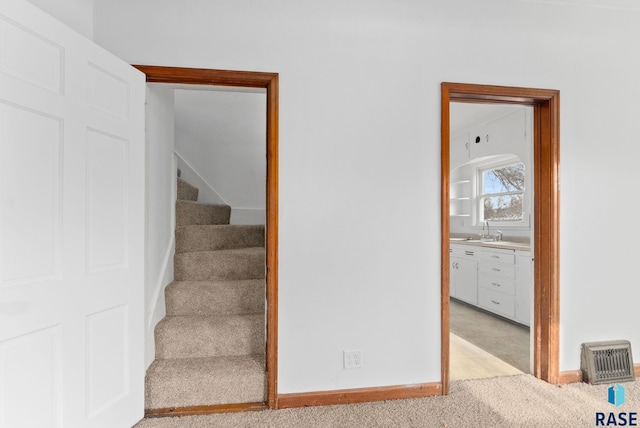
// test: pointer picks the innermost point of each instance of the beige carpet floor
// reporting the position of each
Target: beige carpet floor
(504, 402)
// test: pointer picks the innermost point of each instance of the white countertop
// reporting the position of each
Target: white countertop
(504, 245)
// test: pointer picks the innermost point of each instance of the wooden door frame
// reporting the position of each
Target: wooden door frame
(546, 158)
(245, 79)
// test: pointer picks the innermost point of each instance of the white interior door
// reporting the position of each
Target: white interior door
(72, 228)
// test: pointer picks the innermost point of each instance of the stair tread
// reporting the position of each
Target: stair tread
(229, 282)
(183, 382)
(245, 250)
(205, 318)
(203, 204)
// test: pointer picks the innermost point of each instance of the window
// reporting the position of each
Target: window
(501, 193)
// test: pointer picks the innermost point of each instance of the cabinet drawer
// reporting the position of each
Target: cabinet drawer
(504, 271)
(503, 285)
(461, 251)
(498, 257)
(499, 303)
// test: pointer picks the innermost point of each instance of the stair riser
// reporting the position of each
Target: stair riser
(186, 191)
(188, 213)
(208, 337)
(218, 265)
(209, 298)
(218, 237)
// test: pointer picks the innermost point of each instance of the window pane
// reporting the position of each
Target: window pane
(506, 179)
(504, 207)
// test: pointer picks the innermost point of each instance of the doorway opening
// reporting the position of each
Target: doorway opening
(544, 105)
(268, 82)
(491, 276)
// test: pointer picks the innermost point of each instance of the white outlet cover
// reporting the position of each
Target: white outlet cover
(352, 359)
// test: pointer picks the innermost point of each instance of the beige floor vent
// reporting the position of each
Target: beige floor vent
(607, 362)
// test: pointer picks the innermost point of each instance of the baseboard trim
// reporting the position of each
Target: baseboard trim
(204, 410)
(573, 376)
(360, 395)
(570, 376)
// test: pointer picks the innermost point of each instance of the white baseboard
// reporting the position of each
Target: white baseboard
(157, 308)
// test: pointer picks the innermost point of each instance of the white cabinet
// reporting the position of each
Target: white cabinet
(524, 278)
(504, 135)
(463, 274)
(497, 280)
(458, 151)
(497, 285)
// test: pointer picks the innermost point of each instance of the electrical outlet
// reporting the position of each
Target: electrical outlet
(352, 359)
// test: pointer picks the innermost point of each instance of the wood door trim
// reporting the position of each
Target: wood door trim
(359, 395)
(268, 81)
(546, 158)
(204, 410)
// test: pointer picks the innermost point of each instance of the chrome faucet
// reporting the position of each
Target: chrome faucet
(486, 222)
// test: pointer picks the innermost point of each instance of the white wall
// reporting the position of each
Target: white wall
(161, 197)
(473, 119)
(206, 193)
(360, 157)
(77, 14)
(221, 135)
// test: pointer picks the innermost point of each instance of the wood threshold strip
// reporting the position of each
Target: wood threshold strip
(204, 410)
(359, 395)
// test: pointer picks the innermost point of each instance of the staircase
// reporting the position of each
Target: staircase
(210, 348)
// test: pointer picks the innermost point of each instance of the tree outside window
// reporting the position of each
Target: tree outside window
(502, 193)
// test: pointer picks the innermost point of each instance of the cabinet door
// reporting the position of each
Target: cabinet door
(478, 142)
(466, 280)
(452, 276)
(524, 290)
(459, 151)
(507, 135)
(504, 135)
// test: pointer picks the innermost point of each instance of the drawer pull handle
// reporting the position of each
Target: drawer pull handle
(495, 257)
(495, 303)
(496, 284)
(495, 269)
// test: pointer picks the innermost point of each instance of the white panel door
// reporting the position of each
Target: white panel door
(71, 228)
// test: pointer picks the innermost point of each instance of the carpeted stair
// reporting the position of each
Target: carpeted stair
(210, 347)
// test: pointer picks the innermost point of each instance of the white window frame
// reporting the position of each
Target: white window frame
(480, 169)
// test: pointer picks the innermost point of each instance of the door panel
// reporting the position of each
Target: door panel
(72, 228)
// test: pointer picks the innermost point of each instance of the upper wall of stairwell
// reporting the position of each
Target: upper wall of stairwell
(221, 147)
(208, 195)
